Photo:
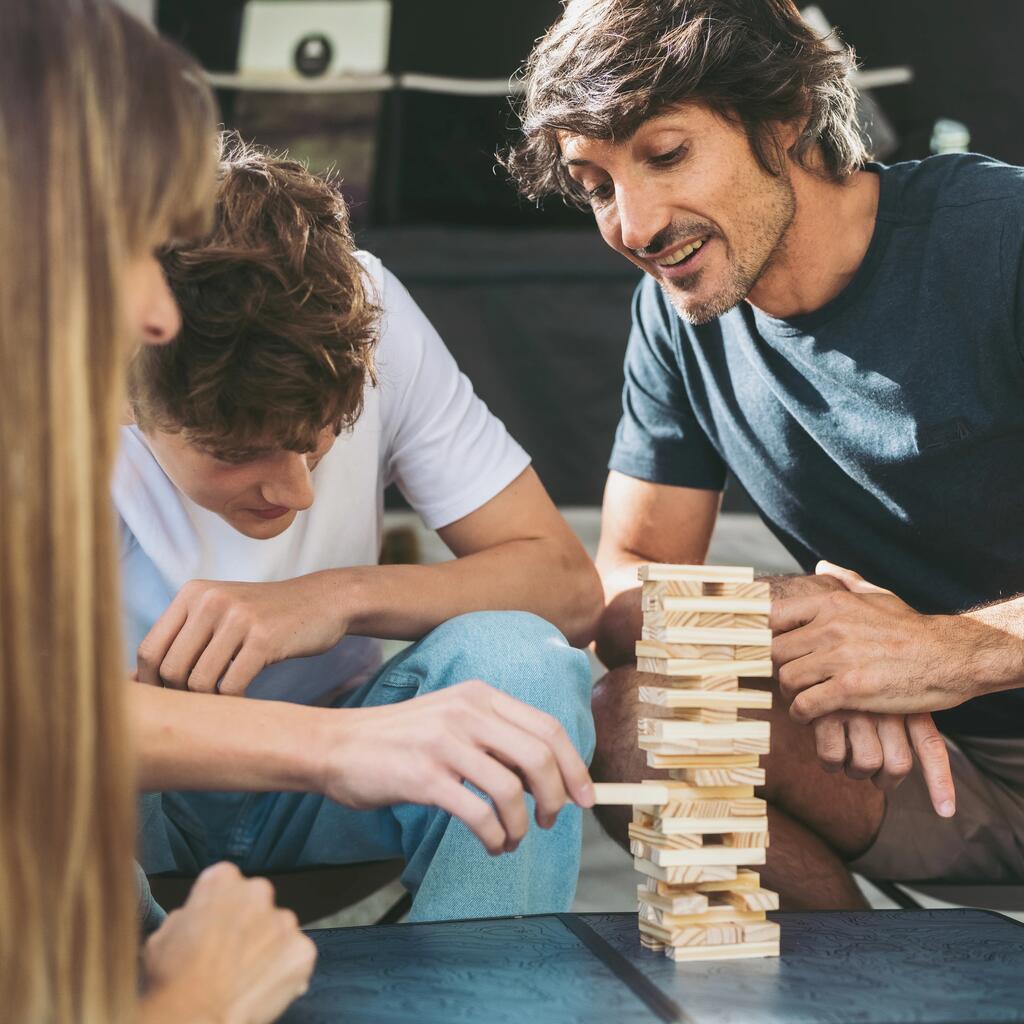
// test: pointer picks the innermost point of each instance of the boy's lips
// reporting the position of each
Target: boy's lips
(274, 512)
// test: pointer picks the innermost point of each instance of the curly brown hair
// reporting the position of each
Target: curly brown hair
(279, 321)
(606, 66)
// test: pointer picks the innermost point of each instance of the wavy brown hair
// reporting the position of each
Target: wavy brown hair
(108, 147)
(606, 66)
(279, 323)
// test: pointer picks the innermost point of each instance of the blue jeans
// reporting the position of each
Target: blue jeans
(447, 870)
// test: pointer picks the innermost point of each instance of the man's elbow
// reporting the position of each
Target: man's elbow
(582, 612)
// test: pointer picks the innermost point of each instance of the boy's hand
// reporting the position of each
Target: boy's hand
(422, 750)
(217, 637)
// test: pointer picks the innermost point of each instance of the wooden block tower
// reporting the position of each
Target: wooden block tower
(695, 836)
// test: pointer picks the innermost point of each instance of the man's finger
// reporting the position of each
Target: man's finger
(797, 643)
(865, 759)
(574, 774)
(793, 612)
(853, 581)
(157, 642)
(897, 755)
(933, 754)
(830, 742)
(806, 673)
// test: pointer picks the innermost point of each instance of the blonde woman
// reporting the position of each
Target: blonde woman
(107, 152)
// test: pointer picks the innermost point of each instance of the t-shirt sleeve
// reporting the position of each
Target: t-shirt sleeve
(659, 438)
(442, 447)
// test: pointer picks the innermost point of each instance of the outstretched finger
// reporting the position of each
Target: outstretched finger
(933, 754)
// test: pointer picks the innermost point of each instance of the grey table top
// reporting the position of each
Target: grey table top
(877, 967)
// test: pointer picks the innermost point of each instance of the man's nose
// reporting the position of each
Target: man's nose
(642, 216)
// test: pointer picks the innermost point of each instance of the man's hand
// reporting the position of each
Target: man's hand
(863, 649)
(882, 748)
(219, 636)
(422, 750)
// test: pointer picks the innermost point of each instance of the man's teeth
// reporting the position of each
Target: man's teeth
(680, 254)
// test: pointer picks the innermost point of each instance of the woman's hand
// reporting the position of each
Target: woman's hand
(228, 956)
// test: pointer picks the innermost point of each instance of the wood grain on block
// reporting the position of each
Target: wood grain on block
(746, 839)
(750, 898)
(700, 573)
(710, 715)
(716, 761)
(692, 935)
(651, 648)
(693, 667)
(739, 951)
(744, 880)
(683, 792)
(655, 590)
(675, 842)
(672, 903)
(652, 944)
(723, 807)
(687, 874)
(687, 635)
(674, 730)
(672, 697)
(701, 856)
(711, 682)
(751, 621)
(626, 793)
(712, 746)
(736, 605)
(753, 652)
(761, 931)
(759, 591)
(691, 826)
(713, 915)
(715, 776)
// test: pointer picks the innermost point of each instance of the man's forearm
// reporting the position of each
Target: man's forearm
(998, 662)
(404, 602)
(202, 741)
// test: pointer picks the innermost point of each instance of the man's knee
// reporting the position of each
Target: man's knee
(522, 655)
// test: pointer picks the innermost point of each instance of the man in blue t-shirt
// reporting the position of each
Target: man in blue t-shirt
(846, 338)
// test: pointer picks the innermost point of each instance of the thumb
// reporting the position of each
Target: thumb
(853, 581)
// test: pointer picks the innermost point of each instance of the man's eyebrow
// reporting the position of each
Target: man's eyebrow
(577, 162)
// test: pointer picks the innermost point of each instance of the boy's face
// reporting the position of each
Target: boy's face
(259, 497)
(685, 199)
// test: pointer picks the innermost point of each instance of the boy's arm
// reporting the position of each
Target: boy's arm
(514, 552)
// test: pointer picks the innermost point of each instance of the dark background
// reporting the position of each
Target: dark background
(531, 303)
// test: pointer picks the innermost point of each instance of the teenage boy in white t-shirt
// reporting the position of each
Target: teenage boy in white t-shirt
(250, 493)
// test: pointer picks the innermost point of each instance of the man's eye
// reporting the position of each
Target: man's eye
(663, 159)
(600, 193)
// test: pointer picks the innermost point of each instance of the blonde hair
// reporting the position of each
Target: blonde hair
(107, 147)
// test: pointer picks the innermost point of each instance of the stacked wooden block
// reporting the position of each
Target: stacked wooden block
(695, 836)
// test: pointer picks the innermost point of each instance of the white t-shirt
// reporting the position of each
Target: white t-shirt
(422, 428)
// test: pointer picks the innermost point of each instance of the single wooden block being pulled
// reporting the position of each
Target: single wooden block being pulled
(626, 793)
(757, 669)
(729, 637)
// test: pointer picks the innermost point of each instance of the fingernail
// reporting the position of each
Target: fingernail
(586, 794)
(947, 808)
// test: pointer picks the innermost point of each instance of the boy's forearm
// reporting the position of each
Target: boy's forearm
(404, 602)
(202, 741)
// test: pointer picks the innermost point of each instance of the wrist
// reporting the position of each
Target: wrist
(994, 658)
(171, 1003)
(326, 748)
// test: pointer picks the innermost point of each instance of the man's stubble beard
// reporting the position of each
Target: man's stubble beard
(748, 269)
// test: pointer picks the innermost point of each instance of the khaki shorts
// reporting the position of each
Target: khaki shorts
(982, 843)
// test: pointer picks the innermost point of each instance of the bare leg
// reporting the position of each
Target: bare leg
(817, 820)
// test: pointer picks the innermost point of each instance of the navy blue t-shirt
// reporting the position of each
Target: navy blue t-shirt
(884, 431)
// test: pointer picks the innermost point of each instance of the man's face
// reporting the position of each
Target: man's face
(259, 496)
(686, 200)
